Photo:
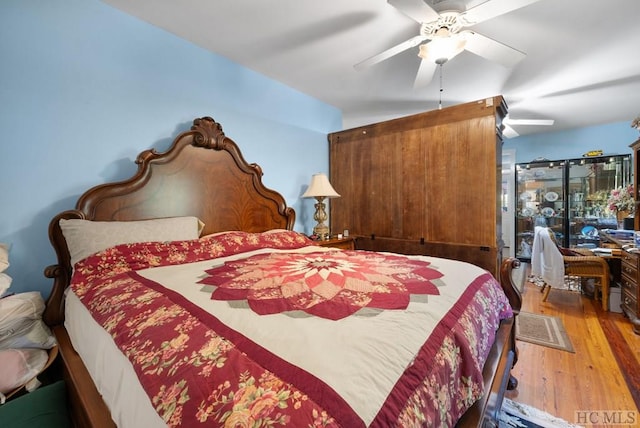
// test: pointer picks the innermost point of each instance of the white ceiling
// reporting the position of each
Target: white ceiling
(582, 66)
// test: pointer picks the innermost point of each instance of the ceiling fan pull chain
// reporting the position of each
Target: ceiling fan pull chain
(440, 62)
(440, 101)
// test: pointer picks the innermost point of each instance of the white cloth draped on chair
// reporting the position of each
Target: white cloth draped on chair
(546, 260)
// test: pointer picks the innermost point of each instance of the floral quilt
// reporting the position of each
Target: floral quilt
(330, 285)
(198, 371)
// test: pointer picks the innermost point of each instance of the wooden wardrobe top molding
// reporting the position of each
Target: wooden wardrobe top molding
(479, 108)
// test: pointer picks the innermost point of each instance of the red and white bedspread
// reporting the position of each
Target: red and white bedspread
(292, 334)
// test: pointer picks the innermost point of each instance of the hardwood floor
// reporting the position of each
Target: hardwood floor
(588, 387)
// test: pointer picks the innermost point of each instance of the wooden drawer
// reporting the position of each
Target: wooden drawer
(630, 258)
(629, 284)
(630, 301)
(629, 265)
(627, 281)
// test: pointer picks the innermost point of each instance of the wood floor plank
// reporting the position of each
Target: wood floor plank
(589, 380)
(623, 353)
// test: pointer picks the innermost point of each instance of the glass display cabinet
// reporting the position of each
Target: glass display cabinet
(568, 196)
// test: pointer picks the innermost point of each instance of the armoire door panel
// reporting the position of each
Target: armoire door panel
(433, 177)
(413, 186)
(465, 177)
(384, 190)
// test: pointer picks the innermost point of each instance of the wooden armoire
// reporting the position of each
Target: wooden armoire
(427, 184)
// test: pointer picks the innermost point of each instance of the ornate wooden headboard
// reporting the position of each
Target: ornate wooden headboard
(202, 174)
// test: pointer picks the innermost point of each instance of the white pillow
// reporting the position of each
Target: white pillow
(5, 283)
(26, 333)
(21, 324)
(18, 366)
(4, 256)
(29, 305)
(85, 237)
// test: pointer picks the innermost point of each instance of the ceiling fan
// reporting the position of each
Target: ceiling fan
(443, 35)
(508, 124)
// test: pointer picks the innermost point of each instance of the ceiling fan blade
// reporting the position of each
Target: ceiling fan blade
(417, 10)
(425, 73)
(492, 49)
(509, 132)
(492, 8)
(533, 122)
(412, 42)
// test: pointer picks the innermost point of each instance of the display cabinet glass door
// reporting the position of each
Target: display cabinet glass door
(570, 197)
(541, 202)
(591, 181)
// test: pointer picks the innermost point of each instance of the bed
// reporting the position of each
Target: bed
(169, 308)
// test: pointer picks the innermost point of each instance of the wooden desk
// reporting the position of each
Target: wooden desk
(616, 241)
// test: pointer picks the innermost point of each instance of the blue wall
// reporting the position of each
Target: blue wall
(613, 138)
(85, 88)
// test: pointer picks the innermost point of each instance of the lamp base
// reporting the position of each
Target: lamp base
(321, 231)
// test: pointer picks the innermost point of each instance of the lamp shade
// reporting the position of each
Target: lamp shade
(320, 186)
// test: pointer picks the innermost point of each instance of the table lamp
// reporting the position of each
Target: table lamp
(320, 188)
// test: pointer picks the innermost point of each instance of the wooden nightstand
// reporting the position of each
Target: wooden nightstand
(342, 243)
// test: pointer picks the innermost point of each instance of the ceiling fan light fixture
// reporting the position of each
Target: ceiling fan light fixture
(442, 48)
(445, 36)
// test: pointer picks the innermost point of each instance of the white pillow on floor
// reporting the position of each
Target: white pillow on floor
(4, 256)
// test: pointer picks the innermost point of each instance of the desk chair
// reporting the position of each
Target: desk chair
(582, 263)
(547, 264)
